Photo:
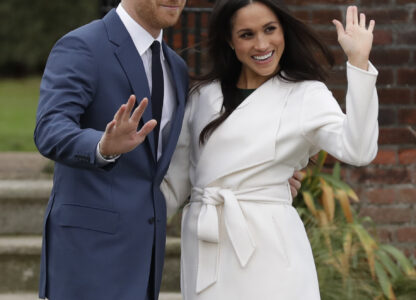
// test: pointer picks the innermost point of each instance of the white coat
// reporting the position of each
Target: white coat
(241, 238)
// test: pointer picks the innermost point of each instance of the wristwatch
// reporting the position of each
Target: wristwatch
(107, 157)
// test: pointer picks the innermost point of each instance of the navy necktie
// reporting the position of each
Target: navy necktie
(157, 89)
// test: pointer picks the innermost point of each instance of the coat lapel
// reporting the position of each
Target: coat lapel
(247, 138)
(132, 65)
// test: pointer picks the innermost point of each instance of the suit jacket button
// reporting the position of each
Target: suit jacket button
(151, 220)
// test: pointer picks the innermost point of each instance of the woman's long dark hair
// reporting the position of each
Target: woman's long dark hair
(299, 60)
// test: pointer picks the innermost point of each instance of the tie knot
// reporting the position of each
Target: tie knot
(155, 48)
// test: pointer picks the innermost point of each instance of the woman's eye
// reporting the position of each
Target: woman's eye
(270, 29)
(246, 35)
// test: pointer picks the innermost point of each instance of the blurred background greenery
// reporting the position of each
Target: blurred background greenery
(352, 263)
(18, 101)
(28, 31)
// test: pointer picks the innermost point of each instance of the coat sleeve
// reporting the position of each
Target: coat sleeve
(176, 186)
(350, 137)
(67, 89)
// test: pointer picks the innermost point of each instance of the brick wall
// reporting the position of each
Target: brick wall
(387, 188)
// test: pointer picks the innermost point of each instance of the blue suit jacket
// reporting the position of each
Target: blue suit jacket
(101, 224)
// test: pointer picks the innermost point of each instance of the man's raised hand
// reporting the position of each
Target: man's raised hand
(121, 135)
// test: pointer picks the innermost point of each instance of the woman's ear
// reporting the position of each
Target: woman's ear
(231, 45)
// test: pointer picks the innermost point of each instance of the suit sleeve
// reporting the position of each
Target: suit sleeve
(67, 89)
(176, 186)
(350, 137)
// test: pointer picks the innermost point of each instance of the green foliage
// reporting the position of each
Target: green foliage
(18, 102)
(351, 263)
(29, 29)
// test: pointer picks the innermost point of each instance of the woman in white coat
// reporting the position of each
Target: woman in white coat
(259, 114)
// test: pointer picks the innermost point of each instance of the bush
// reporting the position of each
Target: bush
(29, 29)
(351, 263)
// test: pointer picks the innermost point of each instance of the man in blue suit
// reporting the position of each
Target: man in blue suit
(105, 223)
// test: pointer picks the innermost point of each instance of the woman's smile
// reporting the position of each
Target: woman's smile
(265, 58)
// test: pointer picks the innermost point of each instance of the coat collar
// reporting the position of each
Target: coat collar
(247, 138)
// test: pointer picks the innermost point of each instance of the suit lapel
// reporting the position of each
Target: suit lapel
(132, 65)
(178, 84)
(180, 88)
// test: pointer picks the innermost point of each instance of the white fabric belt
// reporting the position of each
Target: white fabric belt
(234, 221)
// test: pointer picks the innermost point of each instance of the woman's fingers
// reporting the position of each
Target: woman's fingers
(355, 14)
(350, 17)
(339, 27)
(362, 20)
(371, 25)
(353, 19)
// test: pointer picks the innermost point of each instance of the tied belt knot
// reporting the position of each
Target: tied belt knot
(234, 221)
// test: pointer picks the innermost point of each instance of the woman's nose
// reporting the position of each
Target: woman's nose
(262, 43)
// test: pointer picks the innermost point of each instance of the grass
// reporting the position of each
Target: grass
(18, 102)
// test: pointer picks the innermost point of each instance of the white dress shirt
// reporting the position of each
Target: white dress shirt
(142, 41)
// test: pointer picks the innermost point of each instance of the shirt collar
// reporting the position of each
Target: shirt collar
(141, 38)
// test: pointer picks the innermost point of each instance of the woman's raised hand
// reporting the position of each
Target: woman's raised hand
(356, 40)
